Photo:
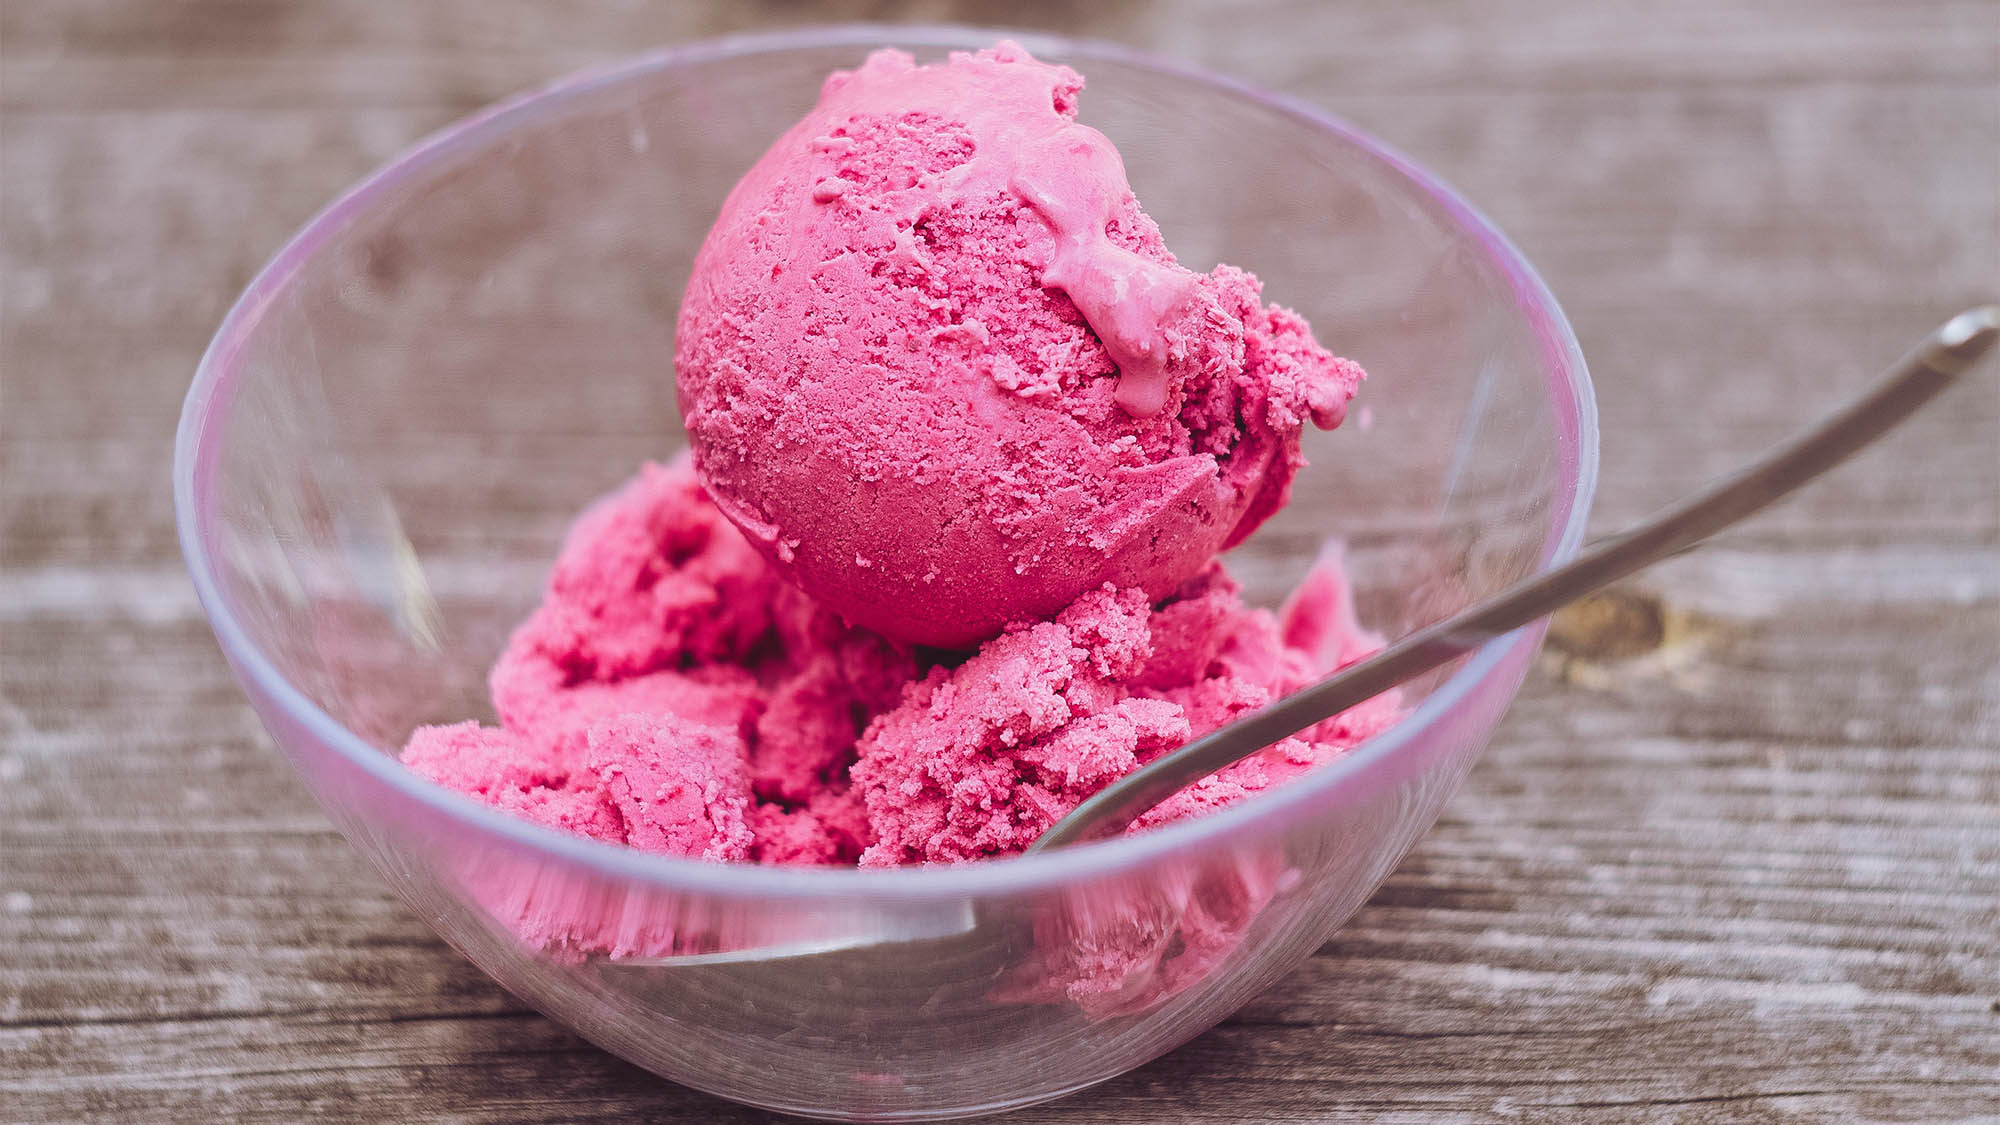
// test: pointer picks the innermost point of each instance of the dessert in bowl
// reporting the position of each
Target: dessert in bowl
(395, 427)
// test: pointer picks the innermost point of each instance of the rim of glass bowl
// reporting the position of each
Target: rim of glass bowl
(194, 459)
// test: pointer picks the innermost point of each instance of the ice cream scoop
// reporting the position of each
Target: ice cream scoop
(941, 369)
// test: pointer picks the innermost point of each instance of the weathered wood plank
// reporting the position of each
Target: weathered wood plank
(1740, 863)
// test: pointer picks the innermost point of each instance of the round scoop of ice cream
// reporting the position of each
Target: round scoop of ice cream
(941, 369)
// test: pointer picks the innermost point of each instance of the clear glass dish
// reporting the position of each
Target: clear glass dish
(397, 420)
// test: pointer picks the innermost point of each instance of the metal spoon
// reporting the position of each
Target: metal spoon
(1928, 368)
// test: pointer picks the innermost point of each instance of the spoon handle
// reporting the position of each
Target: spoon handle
(1927, 369)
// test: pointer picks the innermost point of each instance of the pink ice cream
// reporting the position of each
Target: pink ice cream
(966, 442)
(945, 375)
(674, 693)
(979, 760)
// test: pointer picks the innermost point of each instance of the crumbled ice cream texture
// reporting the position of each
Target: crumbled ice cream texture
(668, 667)
(675, 694)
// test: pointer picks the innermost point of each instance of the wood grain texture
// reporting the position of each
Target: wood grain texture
(1746, 867)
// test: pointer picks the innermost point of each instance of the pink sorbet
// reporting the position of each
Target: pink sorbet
(675, 694)
(944, 373)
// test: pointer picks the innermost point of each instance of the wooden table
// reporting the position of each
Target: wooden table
(1734, 855)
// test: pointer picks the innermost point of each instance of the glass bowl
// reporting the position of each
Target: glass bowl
(396, 421)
